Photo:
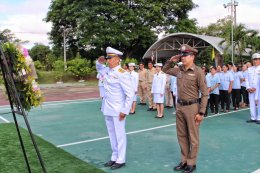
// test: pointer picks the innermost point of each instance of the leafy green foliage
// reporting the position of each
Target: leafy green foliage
(38, 65)
(242, 38)
(128, 60)
(59, 69)
(80, 67)
(6, 35)
(130, 26)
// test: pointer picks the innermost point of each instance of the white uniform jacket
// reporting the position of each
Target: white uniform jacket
(119, 91)
(159, 83)
(252, 77)
(134, 79)
(257, 95)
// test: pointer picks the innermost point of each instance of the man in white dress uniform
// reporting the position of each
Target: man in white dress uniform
(253, 88)
(116, 104)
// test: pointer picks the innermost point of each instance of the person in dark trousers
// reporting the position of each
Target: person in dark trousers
(189, 113)
(226, 82)
(213, 82)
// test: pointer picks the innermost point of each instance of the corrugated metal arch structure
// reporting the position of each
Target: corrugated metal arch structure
(169, 45)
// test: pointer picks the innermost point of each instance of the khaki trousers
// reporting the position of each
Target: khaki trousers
(142, 92)
(150, 96)
(187, 132)
(168, 97)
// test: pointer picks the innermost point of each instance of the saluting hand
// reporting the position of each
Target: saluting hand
(175, 58)
(121, 116)
(198, 119)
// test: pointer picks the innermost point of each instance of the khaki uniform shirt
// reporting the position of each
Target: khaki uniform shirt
(150, 75)
(142, 76)
(189, 83)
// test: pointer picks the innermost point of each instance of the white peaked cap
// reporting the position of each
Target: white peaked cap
(255, 56)
(111, 50)
(131, 64)
(158, 64)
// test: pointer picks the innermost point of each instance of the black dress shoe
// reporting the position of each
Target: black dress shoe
(250, 121)
(109, 163)
(180, 167)
(132, 112)
(257, 121)
(117, 166)
(150, 109)
(189, 169)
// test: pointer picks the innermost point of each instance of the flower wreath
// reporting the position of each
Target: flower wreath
(19, 62)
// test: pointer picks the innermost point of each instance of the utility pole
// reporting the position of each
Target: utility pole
(65, 30)
(233, 4)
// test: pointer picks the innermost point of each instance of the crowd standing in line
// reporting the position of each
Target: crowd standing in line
(182, 87)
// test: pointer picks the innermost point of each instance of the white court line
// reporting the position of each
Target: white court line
(54, 103)
(257, 171)
(106, 137)
(139, 131)
(5, 120)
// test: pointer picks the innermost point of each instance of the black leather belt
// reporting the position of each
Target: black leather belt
(187, 102)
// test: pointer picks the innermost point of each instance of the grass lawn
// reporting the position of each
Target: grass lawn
(55, 159)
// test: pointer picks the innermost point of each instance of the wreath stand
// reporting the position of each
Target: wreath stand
(16, 107)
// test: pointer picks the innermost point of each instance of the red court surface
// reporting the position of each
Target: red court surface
(60, 93)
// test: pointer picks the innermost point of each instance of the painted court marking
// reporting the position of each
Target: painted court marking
(257, 171)
(55, 103)
(5, 120)
(139, 131)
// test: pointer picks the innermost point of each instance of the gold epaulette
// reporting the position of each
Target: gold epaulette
(121, 70)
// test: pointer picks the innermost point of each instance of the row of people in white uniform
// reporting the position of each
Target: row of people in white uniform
(158, 89)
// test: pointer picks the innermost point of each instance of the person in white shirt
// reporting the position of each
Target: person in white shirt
(158, 89)
(173, 84)
(243, 86)
(134, 79)
(226, 83)
(252, 87)
(213, 82)
(100, 78)
(116, 104)
(236, 87)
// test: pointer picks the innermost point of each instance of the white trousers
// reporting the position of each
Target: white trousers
(117, 136)
(101, 91)
(255, 115)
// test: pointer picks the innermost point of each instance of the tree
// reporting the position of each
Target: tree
(242, 37)
(126, 25)
(7, 36)
(80, 67)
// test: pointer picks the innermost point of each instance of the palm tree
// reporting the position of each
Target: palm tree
(240, 40)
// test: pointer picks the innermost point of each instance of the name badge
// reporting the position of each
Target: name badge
(190, 74)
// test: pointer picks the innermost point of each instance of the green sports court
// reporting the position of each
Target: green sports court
(228, 143)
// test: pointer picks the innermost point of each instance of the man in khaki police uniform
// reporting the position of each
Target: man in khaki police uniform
(116, 104)
(189, 113)
(150, 74)
(142, 87)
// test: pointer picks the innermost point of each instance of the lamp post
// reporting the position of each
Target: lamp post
(65, 30)
(233, 4)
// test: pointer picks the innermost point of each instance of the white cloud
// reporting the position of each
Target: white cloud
(210, 11)
(26, 21)
(26, 16)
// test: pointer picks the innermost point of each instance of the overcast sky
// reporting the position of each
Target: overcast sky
(25, 17)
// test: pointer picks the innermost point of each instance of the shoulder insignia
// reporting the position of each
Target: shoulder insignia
(121, 70)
